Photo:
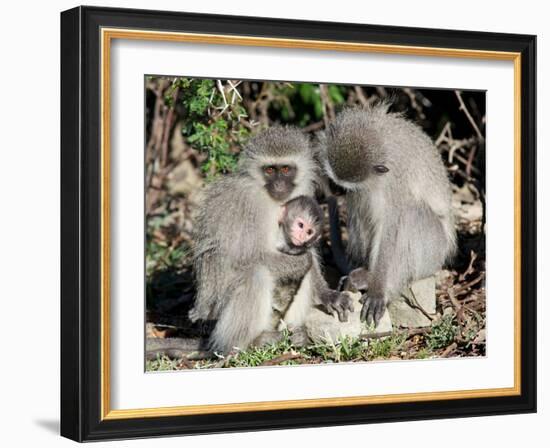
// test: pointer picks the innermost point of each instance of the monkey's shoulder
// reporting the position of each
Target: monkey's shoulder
(225, 185)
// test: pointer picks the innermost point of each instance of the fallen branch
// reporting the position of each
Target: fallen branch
(416, 305)
(282, 358)
(470, 269)
(466, 287)
(383, 334)
(449, 350)
(314, 126)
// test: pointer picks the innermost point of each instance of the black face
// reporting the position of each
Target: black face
(279, 180)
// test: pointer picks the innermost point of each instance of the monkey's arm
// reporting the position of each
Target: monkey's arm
(289, 267)
(388, 270)
(333, 301)
(412, 245)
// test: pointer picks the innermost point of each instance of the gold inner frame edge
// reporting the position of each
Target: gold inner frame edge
(107, 34)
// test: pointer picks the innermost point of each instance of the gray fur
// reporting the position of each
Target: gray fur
(236, 261)
(400, 223)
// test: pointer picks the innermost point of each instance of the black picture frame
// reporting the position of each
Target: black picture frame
(81, 210)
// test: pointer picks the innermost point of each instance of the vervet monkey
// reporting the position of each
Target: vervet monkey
(400, 219)
(300, 225)
(236, 259)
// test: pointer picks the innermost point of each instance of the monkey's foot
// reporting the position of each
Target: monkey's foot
(299, 337)
(267, 338)
(373, 309)
(339, 302)
(357, 280)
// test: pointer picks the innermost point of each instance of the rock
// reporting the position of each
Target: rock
(403, 315)
(466, 203)
(401, 312)
(404, 311)
(322, 327)
(481, 337)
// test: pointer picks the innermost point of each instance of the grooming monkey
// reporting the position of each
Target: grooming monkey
(238, 266)
(400, 220)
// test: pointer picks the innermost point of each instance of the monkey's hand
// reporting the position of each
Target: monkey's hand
(357, 280)
(339, 302)
(374, 307)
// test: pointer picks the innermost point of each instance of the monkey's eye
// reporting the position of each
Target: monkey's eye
(285, 169)
(269, 170)
(381, 169)
(301, 225)
(309, 232)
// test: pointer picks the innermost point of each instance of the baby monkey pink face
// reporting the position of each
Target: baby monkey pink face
(303, 230)
(301, 222)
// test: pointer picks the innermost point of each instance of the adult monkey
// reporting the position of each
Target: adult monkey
(400, 220)
(236, 235)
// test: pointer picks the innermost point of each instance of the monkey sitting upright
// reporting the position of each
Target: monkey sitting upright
(400, 220)
(300, 224)
(237, 263)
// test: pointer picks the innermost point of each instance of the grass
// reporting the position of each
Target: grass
(423, 353)
(443, 333)
(161, 364)
(345, 349)
(386, 347)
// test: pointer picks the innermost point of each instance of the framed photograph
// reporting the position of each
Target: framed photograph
(277, 224)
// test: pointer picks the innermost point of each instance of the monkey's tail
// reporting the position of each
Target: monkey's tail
(338, 252)
(175, 348)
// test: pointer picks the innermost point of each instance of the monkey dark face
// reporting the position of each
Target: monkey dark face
(279, 180)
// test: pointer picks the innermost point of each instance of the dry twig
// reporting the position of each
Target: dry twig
(464, 109)
(281, 358)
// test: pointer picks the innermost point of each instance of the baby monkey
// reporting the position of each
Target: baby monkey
(300, 225)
